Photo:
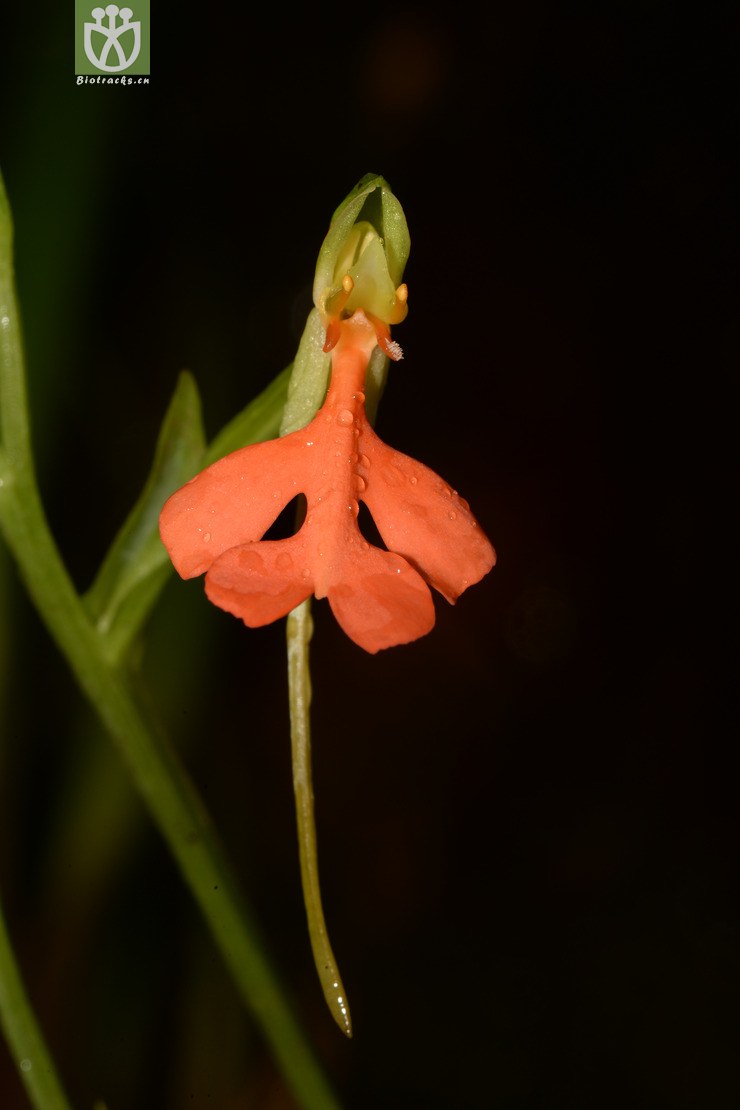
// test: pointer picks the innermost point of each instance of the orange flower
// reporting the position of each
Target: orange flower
(215, 523)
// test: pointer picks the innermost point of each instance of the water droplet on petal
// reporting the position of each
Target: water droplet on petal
(360, 484)
(250, 560)
(305, 573)
(365, 461)
(207, 537)
(345, 418)
(413, 479)
(284, 561)
(354, 507)
(452, 514)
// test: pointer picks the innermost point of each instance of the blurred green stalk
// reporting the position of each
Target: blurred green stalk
(159, 776)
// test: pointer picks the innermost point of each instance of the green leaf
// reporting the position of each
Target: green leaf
(6, 221)
(260, 420)
(13, 406)
(136, 565)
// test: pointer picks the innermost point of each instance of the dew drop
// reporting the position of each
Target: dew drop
(345, 418)
(354, 507)
(207, 537)
(305, 573)
(250, 560)
(360, 484)
(276, 494)
(365, 461)
(452, 514)
(413, 479)
(284, 561)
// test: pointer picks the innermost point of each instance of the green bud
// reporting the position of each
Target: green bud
(369, 240)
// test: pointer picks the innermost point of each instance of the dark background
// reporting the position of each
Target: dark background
(527, 821)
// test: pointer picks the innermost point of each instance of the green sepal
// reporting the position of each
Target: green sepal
(309, 379)
(375, 379)
(136, 566)
(373, 200)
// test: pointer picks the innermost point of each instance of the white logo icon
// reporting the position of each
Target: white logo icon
(110, 35)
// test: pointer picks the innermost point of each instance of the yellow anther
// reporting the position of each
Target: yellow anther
(335, 304)
(398, 309)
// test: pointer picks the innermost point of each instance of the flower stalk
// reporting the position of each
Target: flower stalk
(299, 632)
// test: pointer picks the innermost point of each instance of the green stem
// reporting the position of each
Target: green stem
(167, 793)
(17, 1020)
(158, 774)
(300, 629)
